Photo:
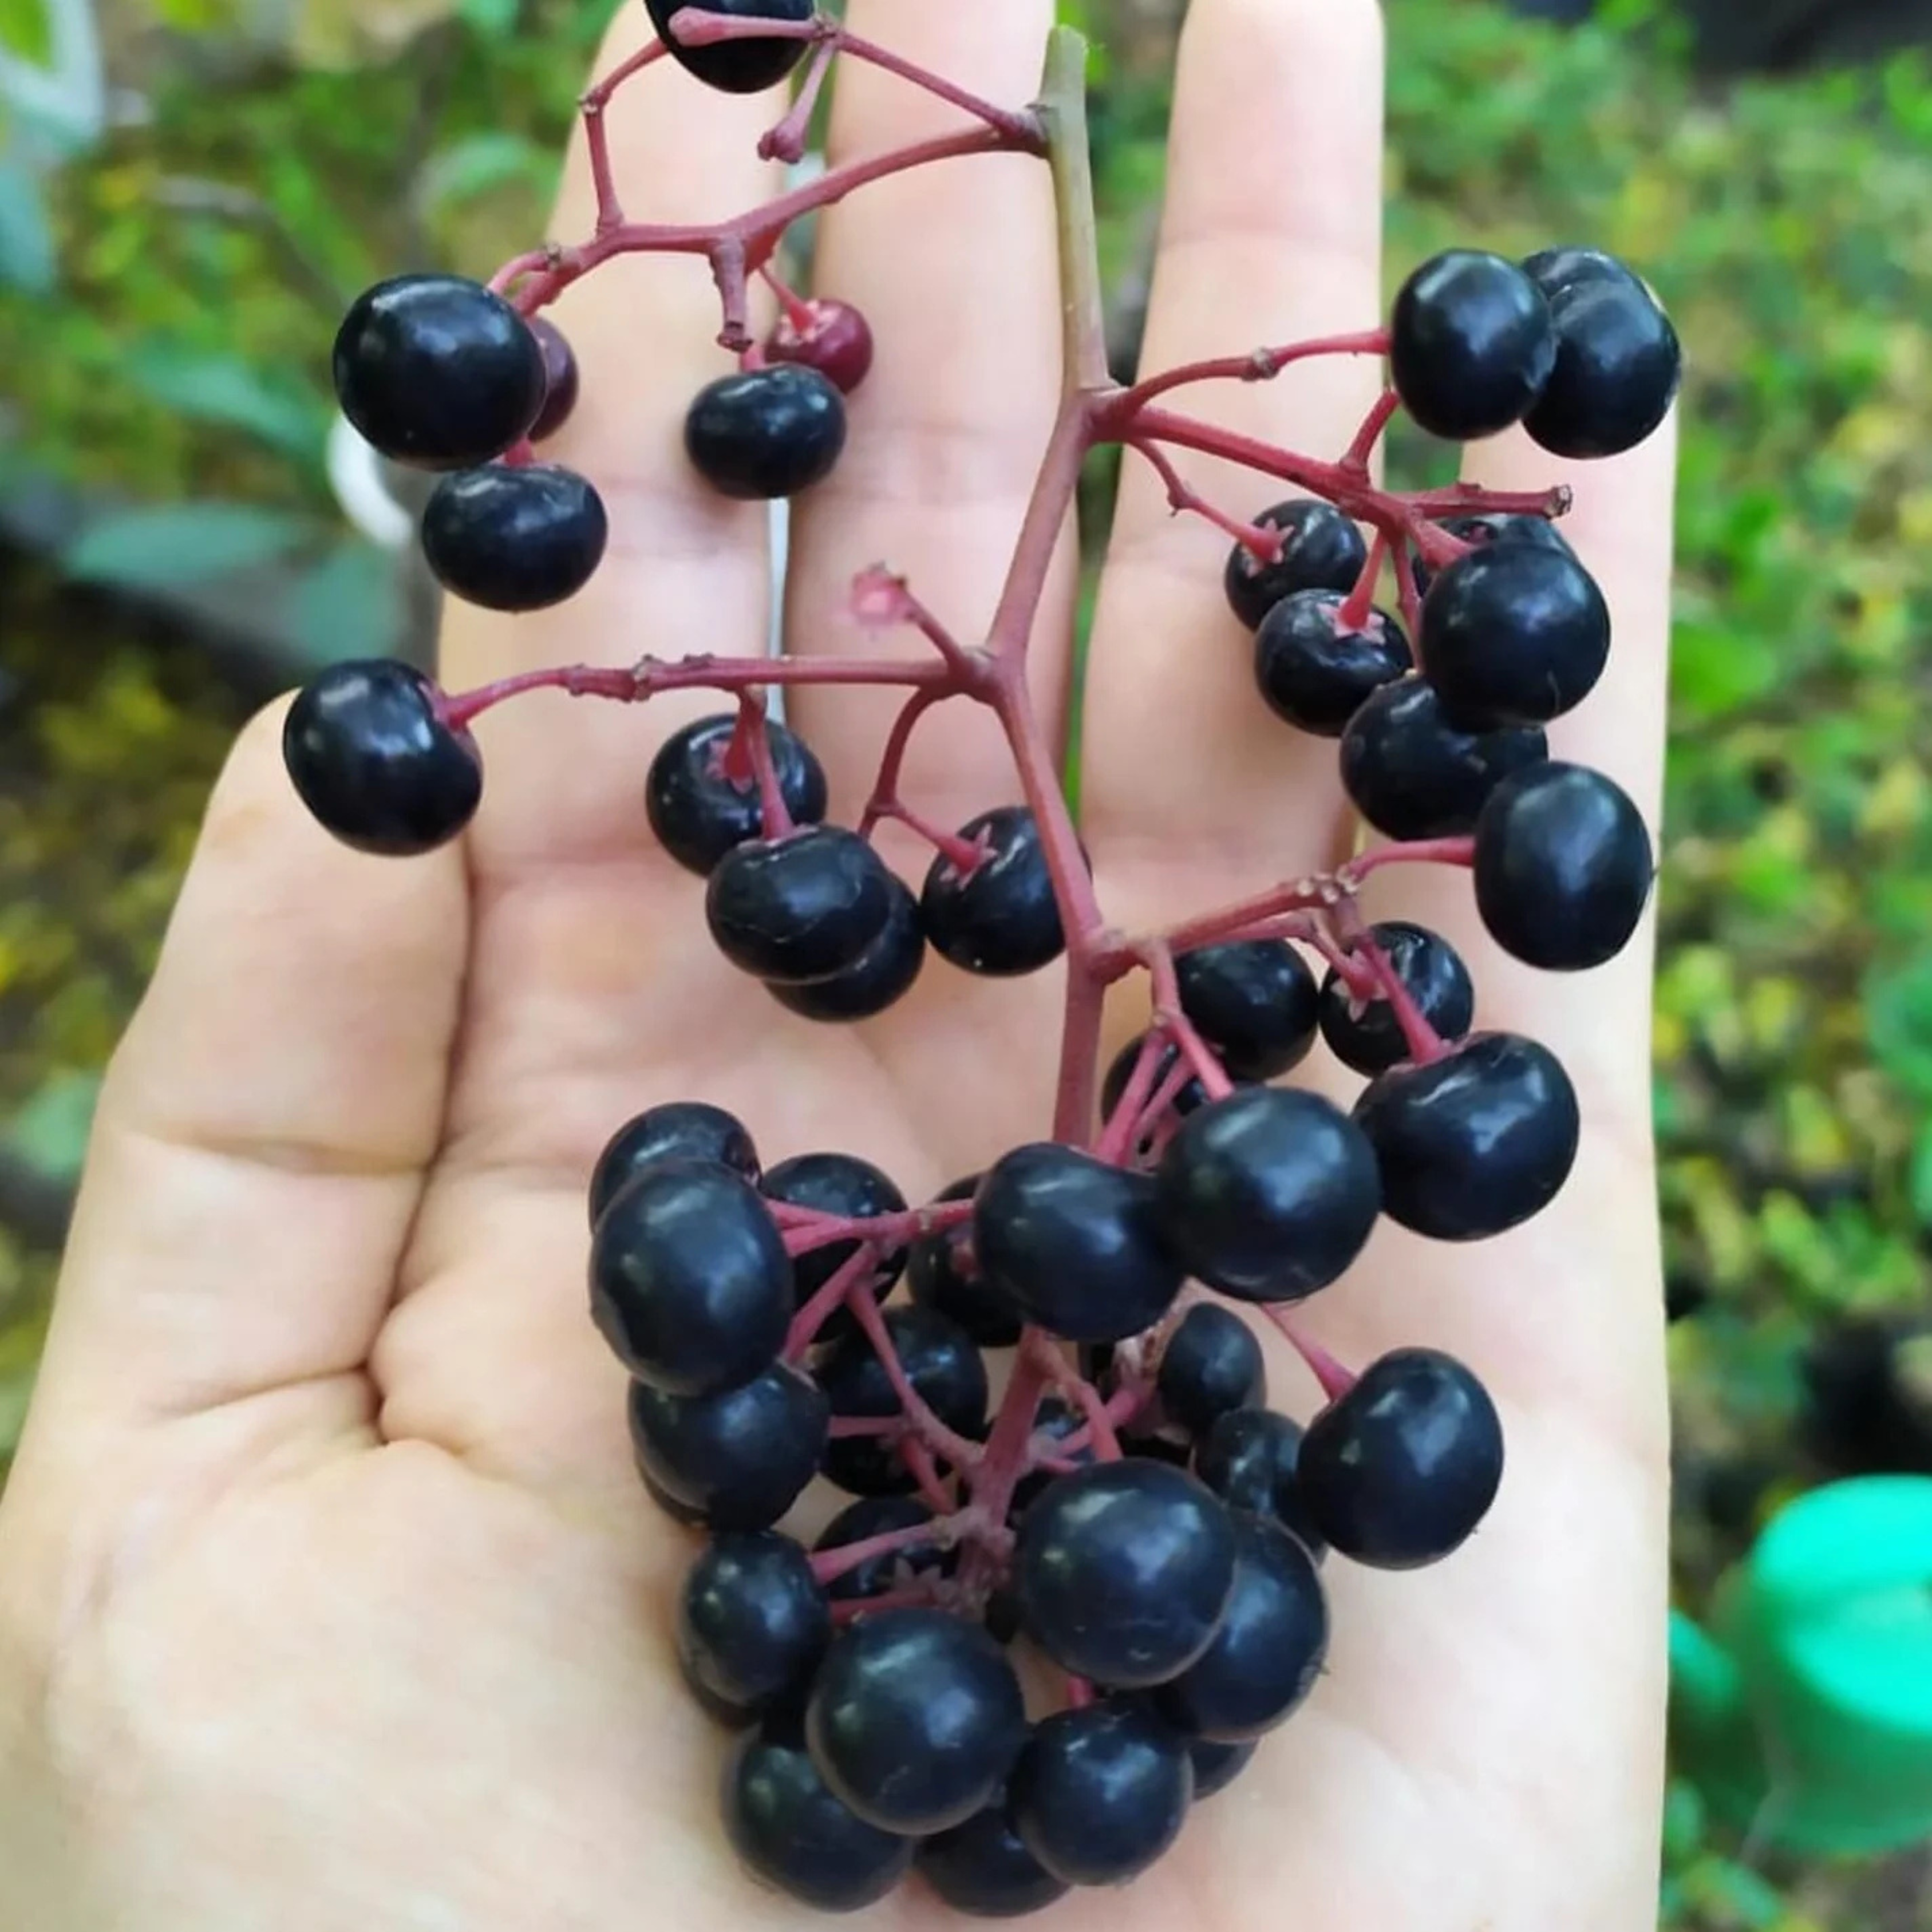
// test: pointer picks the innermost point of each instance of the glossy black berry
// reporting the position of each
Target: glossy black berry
(690, 1282)
(1253, 1002)
(1316, 672)
(437, 371)
(1363, 1033)
(942, 1364)
(699, 812)
(802, 907)
(1514, 634)
(878, 1516)
(1413, 772)
(1122, 1569)
(1075, 1244)
(983, 1868)
(1212, 1363)
(752, 1621)
(740, 1458)
(791, 1832)
(375, 764)
(1497, 526)
(852, 1189)
(1472, 343)
(766, 433)
(678, 1130)
(679, 1512)
(1250, 1458)
(943, 1275)
(1216, 1765)
(519, 539)
(1475, 1142)
(1400, 1470)
(1321, 549)
(1099, 1794)
(1269, 1650)
(1563, 867)
(1120, 1070)
(915, 1719)
(1269, 1194)
(1617, 366)
(561, 379)
(736, 66)
(1556, 271)
(879, 978)
(1001, 918)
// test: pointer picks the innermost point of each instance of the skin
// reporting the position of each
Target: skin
(327, 1597)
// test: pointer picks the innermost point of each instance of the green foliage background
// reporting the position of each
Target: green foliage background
(166, 299)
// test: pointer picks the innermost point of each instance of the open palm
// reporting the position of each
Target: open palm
(328, 1599)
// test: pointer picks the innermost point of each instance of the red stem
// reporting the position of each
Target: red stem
(852, 1282)
(1118, 1135)
(757, 744)
(933, 1434)
(1424, 1043)
(1259, 365)
(1356, 456)
(829, 1565)
(962, 854)
(1336, 1380)
(936, 1495)
(797, 310)
(785, 141)
(1355, 610)
(1158, 957)
(916, 1596)
(885, 799)
(1261, 541)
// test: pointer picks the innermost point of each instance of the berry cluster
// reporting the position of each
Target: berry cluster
(1130, 1510)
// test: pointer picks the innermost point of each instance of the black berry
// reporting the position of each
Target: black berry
(740, 1459)
(983, 1868)
(1252, 1001)
(943, 1275)
(699, 812)
(1617, 366)
(1250, 1458)
(1472, 343)
(879, 978)
(1000, 918)
(1316, 672)
(941, 1364)
(1120, 1070)
(1556, 271)
(799, 908)
(1212, 1363)
(1099, 1794)
(736, 66)
(1413, 772)
(837, 341)
(766, 433)
(752, 1622)
(878, 1516)
(678, 1130)
(1494, 526)
(852, 1189)
(1321, 549)
(1363, 1034)
(518, 538)
(561, 379)
(1216, 1765)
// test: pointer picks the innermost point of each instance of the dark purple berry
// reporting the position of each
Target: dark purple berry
(1321, 549)
(561, 380)
(752, 1621)
(1473, 1143)
(1216, 1765)
(736, 66)
(837, 341)
(1001, 918)
(983, 1868)
(1471, 344)
(1317, 673)
(766, 433)
(1212, 1363)
(943, 1275)
(879, 978)
(802, 907)
(1249, 1459)
(1564, 867)
(740, 1458)
(943, 1366)
(437, 371)
(690, 1282)
(1075, 1244)
(518, 538)
(678, 1130)
(1123, 1570)
(1494, 526)
(878, 1516)
(1413, 772)
(1120, 1070)
(1252, 1001)
(1557, 271)
(691, 1519)
(699, 812)
(1400, 1470)
(852, 1189)
(1363, 1033)
(374, 762)
(1268, 1195)
(1617, 366)
(1099, 1794)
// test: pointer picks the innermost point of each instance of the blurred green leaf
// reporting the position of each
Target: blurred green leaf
(348, 604)
(479, 163)
(27, 258)
(183, 543)
(492, 19)
(50, 1133)
(229, 390)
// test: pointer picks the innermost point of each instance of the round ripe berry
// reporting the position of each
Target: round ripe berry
(1413, 772)
(1120, 1070)
(879, 978)
(1514, 634)
(852, 1189)
(1321, 549)
(1363, 1034)
(691, 1519)
(1252, 1001)
(1001, 918)
(1617, 366)
(1475, 1142)
(1269, 1650)
(736, 66)
(514, 539)
(561, 379)
(678, 1130)
(983, 1868)
(1074, 1244)
(941, 1364)
(915, 1719)
(1400, 1470)
(767, 433)
(1122, 1569)
(1099, 1794)
(374, 763)
(1494, 527)
(1212, 1363)
(879, 1516)
(799, 908)
(1557, 271)
(752, 1622)
(690, 1282)
(699, 812)
(792, 1833)
(837, 341)
(1317, 675)
(1268, 1195)
(437, 371)
(1249, 1459)
(943, 1274)
(1563, 867)
(1216, 1765)
(1472, 343)
(740, 1458)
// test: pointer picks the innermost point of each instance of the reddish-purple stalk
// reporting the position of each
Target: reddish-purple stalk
(1336, 1380)
(1424, 1043)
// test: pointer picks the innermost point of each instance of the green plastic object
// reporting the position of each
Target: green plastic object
(1804, 1711)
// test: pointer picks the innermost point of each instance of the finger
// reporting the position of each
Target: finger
(686, 570)
(1271, 233)
(258, 1149)
(956, 266)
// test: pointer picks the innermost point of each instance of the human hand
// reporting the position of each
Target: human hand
(328, 1599)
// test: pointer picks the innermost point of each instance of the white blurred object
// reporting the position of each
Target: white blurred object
(356, 476)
